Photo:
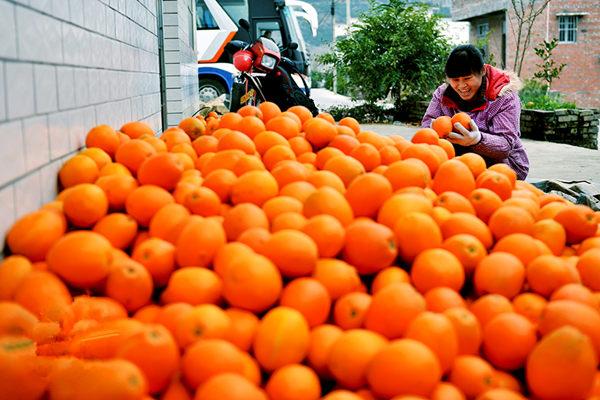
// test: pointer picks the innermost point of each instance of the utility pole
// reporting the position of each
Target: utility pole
(348, 16)
(333, 42)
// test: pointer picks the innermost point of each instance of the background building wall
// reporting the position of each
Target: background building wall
(580, 79)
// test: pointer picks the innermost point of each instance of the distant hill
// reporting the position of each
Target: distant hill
(357, 7)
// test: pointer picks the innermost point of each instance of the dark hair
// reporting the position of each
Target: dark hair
(464, 60)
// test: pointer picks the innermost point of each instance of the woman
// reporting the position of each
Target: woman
(490, 97)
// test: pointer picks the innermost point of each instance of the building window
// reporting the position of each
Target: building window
(567, 29)
(482, 30)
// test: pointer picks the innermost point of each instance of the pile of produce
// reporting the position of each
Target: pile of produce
(275, 255)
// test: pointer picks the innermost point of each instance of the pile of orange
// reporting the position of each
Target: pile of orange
(274, 255)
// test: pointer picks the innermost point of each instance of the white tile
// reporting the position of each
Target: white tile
(90, 119)
(39, 36)
(60, 9)
(104, 92)
(76, 11)
(12, 155)
(42, 5)
(86, 48)
(49, 181)
(90, 14)
(103, 115)
(46, 90)
(119, 26)
(28, 196)
(115, 52)
(2, 94)
(110, 22)
(58, 132)
(7, 216)
(66, 88)
(82, 95)
(76, 127)
(8, 30)
(19, 90)
(35, 138)
(73, 43)
(137, 108)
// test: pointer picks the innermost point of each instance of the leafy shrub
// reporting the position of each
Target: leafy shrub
(535, 96)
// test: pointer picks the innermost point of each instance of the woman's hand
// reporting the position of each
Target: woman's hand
(465, 137)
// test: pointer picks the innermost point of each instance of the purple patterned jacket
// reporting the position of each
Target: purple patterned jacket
(498, 121)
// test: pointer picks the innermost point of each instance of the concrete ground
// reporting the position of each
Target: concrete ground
(547, 160)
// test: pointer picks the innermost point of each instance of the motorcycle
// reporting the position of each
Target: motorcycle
(265, 75)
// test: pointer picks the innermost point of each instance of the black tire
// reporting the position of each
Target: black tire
(209, 89)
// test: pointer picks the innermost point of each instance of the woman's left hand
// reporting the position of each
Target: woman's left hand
(465, 137)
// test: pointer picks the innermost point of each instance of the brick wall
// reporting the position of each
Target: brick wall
(580, 80)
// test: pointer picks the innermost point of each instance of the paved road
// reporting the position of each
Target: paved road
(547, 160)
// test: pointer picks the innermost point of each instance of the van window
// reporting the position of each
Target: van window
(204, 19)
(237, 9)
(269, 29)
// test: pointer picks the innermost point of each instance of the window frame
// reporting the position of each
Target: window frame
(567, 28)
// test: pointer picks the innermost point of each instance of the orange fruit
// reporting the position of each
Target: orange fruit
(224, 356)
(350, 310)
(78, 169)
(294, 253)
(145, 201)
(282, 338)
(416, 232)
(103, 137)
(199, 241)
(499, 273)
(426, 135)
(404, 366)
(442, 125)
(562, 365)
(508, 339)
(472, 375)
(461, 118)
(293, 381)
(369, 246)
(120, 229)
(486, 307)
(251, 282)
(393, 308)
(229, 386)
(193, 285)
(34, 234)
(337, 276)
(351, 356)
(319, 132)
(437, 333)
(81, 258)
(579, 222)
(453, 176)
(467, 328)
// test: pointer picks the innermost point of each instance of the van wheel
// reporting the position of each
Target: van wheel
(210, 89)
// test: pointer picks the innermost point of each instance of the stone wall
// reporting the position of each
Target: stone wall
(578, 127)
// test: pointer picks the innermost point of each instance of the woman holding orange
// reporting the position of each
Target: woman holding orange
(490, 97)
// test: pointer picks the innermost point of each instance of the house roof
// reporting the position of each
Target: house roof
(466, 10)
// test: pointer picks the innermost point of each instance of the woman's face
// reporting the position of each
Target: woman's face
(466, 86)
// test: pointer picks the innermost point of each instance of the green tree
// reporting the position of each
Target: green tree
(395, 49)
(548, 69)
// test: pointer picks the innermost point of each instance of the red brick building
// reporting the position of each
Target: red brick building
(576, 23)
